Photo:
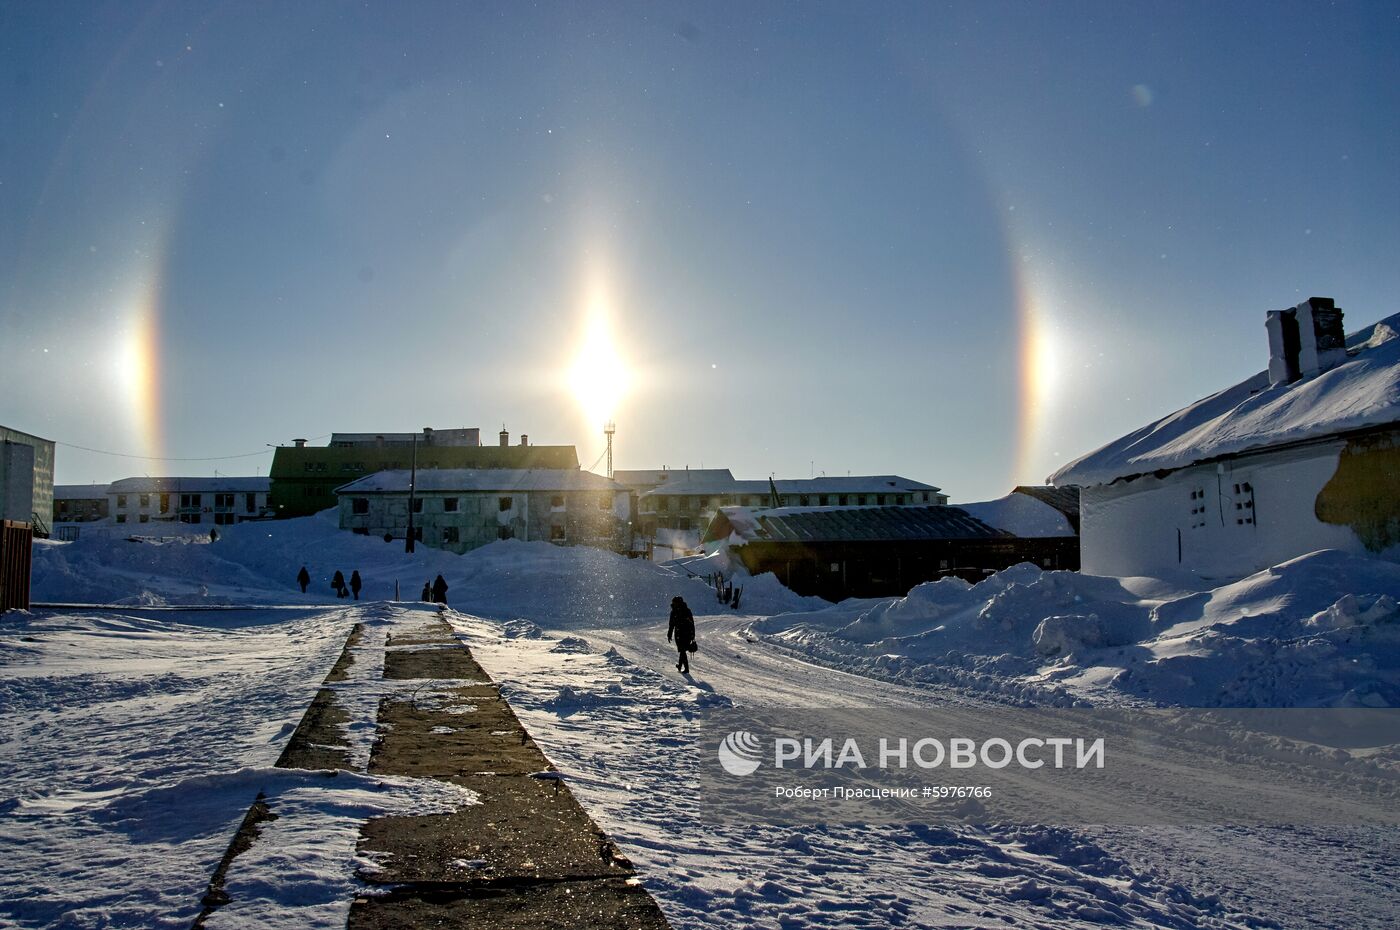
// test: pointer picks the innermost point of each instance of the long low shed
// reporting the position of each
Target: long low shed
(878, 551)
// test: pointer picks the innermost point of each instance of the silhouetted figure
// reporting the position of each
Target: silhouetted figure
(440, 590)
(338, 583)
(682, 628)
(303, 578)
(356, 583)
(428, 591)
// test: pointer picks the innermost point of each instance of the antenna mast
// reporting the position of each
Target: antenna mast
(609, 428)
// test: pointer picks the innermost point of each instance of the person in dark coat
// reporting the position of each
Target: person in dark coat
(682, 628)
(428, 591)
(440, 590)
(303, 578)
(338, 583)
(356, 583)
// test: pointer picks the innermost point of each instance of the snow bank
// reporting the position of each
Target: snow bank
(256, 563)
(1320, 630)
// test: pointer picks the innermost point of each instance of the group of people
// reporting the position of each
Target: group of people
(338, 583)
(435, 593)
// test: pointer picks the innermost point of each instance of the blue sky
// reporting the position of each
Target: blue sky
(828, 234)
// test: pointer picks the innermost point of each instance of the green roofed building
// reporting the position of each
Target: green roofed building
(304, 478)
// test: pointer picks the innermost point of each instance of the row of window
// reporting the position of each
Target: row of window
(222, 501)
(452, 534)
(360, 505)
(220, 519)
(1243, 499)
(691, 502)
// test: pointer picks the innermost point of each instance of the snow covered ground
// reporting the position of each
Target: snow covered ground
(134, 740)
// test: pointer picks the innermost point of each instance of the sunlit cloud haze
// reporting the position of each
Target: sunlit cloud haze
(963, 243)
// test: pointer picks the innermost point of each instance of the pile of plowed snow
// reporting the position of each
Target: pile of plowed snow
(257, 563)
(1320, 630)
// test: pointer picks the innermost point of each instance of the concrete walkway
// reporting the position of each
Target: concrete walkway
(527, 856)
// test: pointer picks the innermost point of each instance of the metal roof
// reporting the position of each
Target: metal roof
(855, 484)
(80, 492)
(873, 524)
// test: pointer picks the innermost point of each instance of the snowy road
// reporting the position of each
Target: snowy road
(611, 710)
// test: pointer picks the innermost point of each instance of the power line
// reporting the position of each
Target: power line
(166, 458)
(161, 458)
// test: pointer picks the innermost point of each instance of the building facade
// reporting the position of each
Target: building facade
(219, 501)
(463, 509)
(304, 478)
(26, 479)
(689, 504)
(79, 503)
(1301, 457)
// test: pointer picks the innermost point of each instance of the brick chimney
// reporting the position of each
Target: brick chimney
(1305, 340)
(505, 437)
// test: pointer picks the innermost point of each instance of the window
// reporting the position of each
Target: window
(418, 505)
(360, 531)
(663, 504)
(359, 505)
(190, 518)
(121, 500)
(144, 518)
(145, 501)
(821, 500)
(841, 500)
(704, 502)
(165, 503)
(223, 519)
(250, 503)
(223, 501)
(121, 518)
(556, 501)
(605, 502)
(505, 504)
(803, 500)
(449, 534)
(900, 499)
(860, 500)
(880, 500)
(449, 505)
(505, 532)
(190, 500)
(1198, 508)
(556, 534)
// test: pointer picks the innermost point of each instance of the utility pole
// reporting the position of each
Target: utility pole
(608, 429)
(412, 481)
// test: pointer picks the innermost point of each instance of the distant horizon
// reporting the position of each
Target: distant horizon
(965, 244)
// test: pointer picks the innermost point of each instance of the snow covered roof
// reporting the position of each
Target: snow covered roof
(434, 480)
(1021, 514)
(204, 485)
(80, 492)
(1363, 391)
(846, 524)
(858, 484)
(650, 477)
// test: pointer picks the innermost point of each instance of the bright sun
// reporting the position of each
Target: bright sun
(598, 376)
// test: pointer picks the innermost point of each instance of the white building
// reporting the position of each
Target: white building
(215, 501)
(1301, 457)
(460, 509)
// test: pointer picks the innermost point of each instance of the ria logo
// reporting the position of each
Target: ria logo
(739, 753)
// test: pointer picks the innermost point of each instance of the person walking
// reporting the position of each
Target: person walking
(338, 583)
(682, 628)
(303, 578)
(356, 583)
(428, 591)
(440, 591)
